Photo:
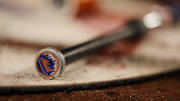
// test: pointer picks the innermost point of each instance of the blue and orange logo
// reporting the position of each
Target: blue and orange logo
(47, 64)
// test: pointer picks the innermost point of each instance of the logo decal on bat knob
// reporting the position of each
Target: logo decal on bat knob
(47, 64)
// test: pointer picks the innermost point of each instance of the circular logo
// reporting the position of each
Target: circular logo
(47, 64)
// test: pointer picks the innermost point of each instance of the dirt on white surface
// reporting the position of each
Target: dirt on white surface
(157, 53)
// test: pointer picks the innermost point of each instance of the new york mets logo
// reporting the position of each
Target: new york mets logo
(47, 64)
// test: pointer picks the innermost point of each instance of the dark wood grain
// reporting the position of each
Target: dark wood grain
(164, 88)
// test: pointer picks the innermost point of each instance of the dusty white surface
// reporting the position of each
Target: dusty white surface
(158, 53)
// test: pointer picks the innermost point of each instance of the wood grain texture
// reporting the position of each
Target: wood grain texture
(164, 88)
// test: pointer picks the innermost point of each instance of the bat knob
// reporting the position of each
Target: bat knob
(49, 63)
